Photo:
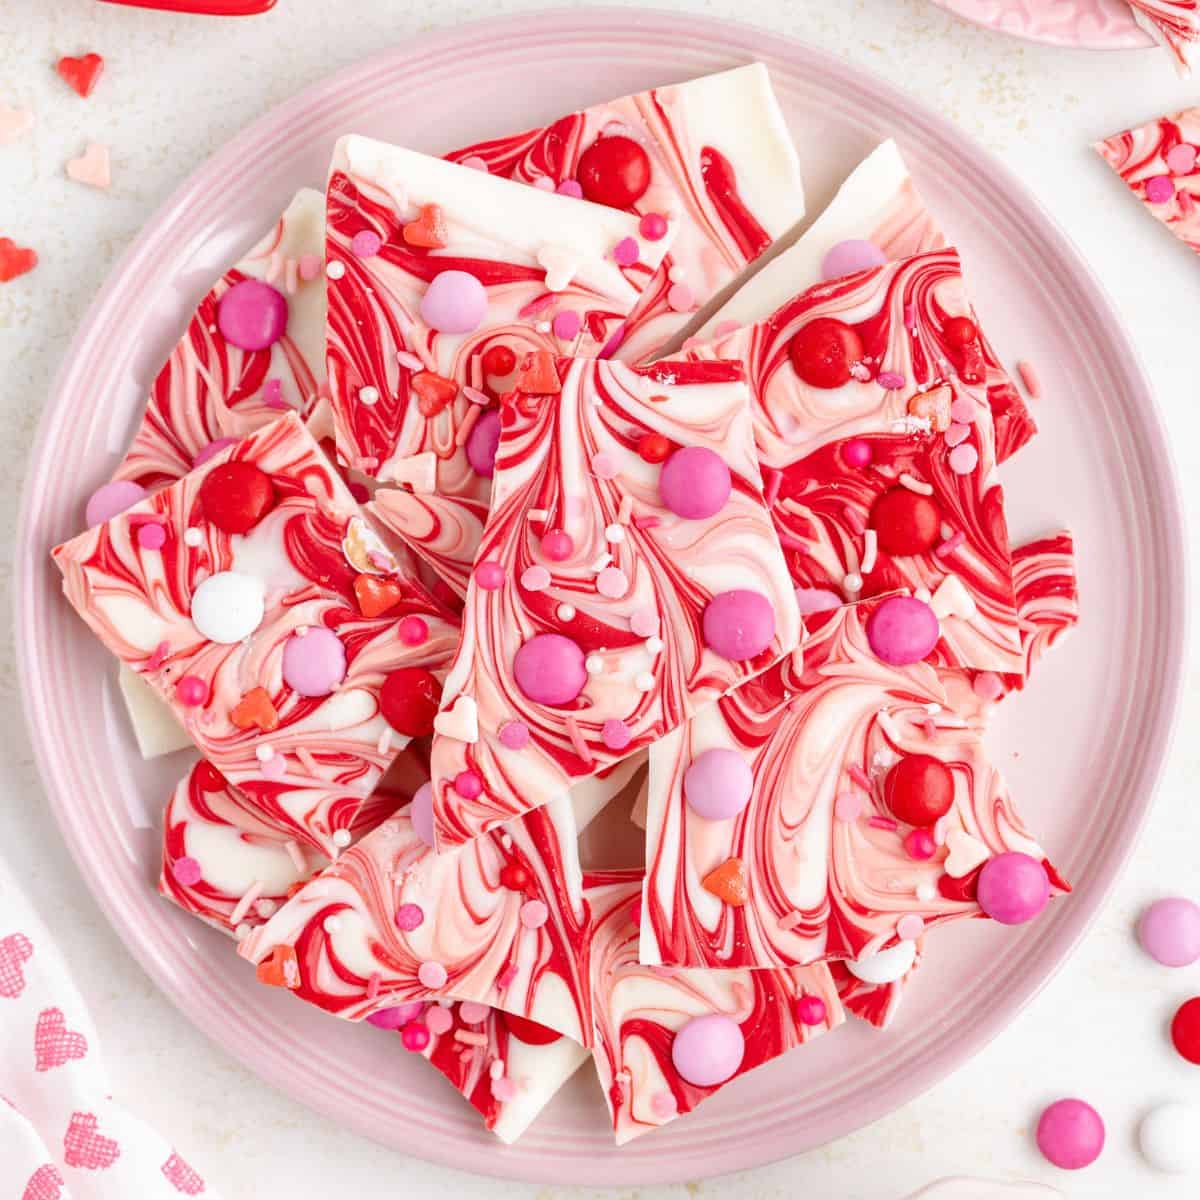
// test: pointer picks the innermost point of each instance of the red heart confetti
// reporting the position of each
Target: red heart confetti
(84, 1147)
(81, 74)
(538, 374)
(255, 710)
(433, 391)
(728, 882)
(281, 969)
(375, 596)
(54, 1045)
(428, 230)
(15, 260)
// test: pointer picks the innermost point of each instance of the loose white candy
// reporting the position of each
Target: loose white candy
(1169, 1138)
(886, 966)
(228, 607)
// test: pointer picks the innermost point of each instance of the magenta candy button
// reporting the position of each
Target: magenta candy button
(738, 625)
(397, 1016)
(708, 1050)
(695, 483)
(483, 442)
(718, 784)
(1013, 888)
(315, 663)
(454, 302)
(1169, 931)
(252, 315)
(903, 630)
(212, 450)
(1070, 1133)
(421, 813)
(549, 669)
(112, 499)
(851, 256)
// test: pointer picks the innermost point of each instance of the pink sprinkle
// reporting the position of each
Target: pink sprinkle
(373, 985)
(187, 871)
(438, 1020)
(910, 316)
(626, 252)
(1181, 159)
(963, 459)
(274, 767)
(1159, 189)
(663, 1104)
(475, 163)
(963, 410)
(475, 396)
(151, 537)
(726, 327)
(409, 917)
(890, 380)
(988, 686)
(506, 977)
(644, 622)
(535, 578)
(603, 466)
(566, 325)
(614, 342)
(860, 777)
(680, 298)
(413, 631)
(1029, 376)
(772, 482)
(909, 927)
(848, 806)
(514, 735)
(611, 582)
(411, 361)
(470, 1037)
(570, 187)
(504, 1090)
(272, 394)
(647, 522)
(432, 975)
(161, 653)
(929, 728)
(472, 1013)
(309, 267)
(578, 744)
(366, 243)
(879, 822)
(790, 920)
(615, 734)
(951, 544)
(653, 227)
(957, 434)
(534, 914)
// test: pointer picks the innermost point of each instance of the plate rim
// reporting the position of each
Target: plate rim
(755, 42)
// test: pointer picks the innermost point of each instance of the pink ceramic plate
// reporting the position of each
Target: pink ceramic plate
(1084, 24)
(1092, 730)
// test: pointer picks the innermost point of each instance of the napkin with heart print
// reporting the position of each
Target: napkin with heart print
(62, 1136)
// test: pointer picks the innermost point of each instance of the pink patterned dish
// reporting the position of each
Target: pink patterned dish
(1082, 24)
(1101, 439)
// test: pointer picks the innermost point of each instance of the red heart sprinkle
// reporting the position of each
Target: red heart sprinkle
(375, 596)
(428, 230)
(281, 969)
(539, 374)
(255, 710)
(434, 392)
(15, 260)
(81, 74)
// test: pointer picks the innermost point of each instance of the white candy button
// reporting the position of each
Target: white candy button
(228, 607)
(885, 967)
(1169, 1137)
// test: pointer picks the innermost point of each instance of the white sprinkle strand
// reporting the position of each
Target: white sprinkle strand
(916, 485)
(192, 536)
(600, 563)
(870, 551)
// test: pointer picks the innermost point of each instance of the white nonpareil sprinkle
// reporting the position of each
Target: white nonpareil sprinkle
(368, 395)
(264, 753)
(654, 645)
(853, 582)
(192, 536)
(926, 892)
(335, 270)
(614, 533)
(566, 612)
(331, 924)
(341, 837)
(644, 682)
(870, 551)
(593, 664)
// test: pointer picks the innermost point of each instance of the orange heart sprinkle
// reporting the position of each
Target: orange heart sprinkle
(255, 710)
(280, 969)
(428, 230)
(728, 882)
(375, 595)
(539, 374)
(433, 392)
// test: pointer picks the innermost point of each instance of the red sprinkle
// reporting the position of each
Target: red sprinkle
(951, 544)
(882, 822)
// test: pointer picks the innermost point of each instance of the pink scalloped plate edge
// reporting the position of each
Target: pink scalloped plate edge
(1079, 24)
(1102, 442)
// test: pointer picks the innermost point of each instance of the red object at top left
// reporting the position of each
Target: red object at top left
(208, 8)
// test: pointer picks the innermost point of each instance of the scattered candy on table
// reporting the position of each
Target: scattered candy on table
(1070, 1133)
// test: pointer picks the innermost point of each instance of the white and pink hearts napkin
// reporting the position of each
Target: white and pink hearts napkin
(62, 1136)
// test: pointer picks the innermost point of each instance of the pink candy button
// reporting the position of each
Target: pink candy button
(549, 669)
(110, 500)
(1169, 931)
(717, 784)
(252, 315)
(903, 630)
(708, 1050)
(483, 442)
(454, 302)
(315, 663)
(739, 624)
(1070, 1133)
(1013, 888)
(851, 256)
(695, 483)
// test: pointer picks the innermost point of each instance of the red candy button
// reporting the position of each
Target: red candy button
(409, 701)
(236, 495)
(906, 522)
(527, 1031)
(823, 351)
(514, 877)
(653, 447)
(919, 789)
(960, 331)
(499, 360)
(1185, 1030)
(614, 171)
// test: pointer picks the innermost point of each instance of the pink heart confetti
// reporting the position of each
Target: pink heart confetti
(14, 123)
(93, 167)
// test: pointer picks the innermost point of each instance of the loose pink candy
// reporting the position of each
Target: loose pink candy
(366, 243)
(856, 453)
(468, 784)
(397, 1016)
(810, 1010)
(313, 665)
(1013, 888)
(534, 914)
(482, 443)
(549, 669)
(252, 315)
(112, 499)
(415, 1037)
(920, 844)
(738, 625)
(151, 536)
(191, 690)
(472, 1013)
(489, 575)
(421, 813)
(439, 1020)
(851, 256)
(410, 917)
(1070, 1133)
(413, 631)
(432, 975)
(1169, 932)
(695, 483)
(615, 734)
(557, 545)
(454, 302)
(626, 252)
(963, 459)
(566, 325)
(903, 630)
(1159, 189)
(514, 735)
(717, 784)
(708, 1050)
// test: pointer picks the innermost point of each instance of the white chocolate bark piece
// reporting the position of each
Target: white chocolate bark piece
(604, 609)
(500, 921)
(210, 590)
(873, 398)
(655, 1029)
(155, 728)
(816, 862)
(713, 152)
(877, 203)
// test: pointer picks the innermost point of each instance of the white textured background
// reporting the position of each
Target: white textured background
(175, 89)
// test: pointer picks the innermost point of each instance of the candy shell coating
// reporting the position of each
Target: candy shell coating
(1070, 1133)
(1169, 1138)
(228, 607)
(1169, 931)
